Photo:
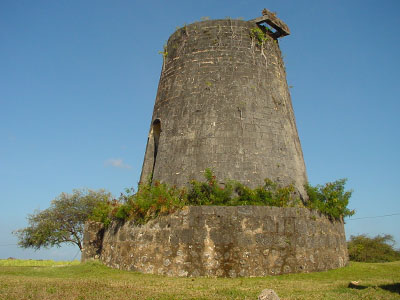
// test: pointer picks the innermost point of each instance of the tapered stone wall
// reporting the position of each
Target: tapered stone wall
(223, 103)
(222, 241)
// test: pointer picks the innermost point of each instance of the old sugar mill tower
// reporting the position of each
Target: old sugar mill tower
(223, 103)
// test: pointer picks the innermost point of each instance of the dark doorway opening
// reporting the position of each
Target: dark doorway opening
(156, 131)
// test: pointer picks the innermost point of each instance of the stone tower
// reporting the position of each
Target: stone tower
(223, 103)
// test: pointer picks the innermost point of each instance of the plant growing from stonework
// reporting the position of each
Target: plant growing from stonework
(330, 199)
(157, 199)
(233, 193)
(164, 54)
(270, 194)
(261, 37)
(150, 201)
(209, 192)
(103, 211)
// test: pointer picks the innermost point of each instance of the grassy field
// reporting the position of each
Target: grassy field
(28, 279)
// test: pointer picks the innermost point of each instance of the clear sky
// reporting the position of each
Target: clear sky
(78, 81)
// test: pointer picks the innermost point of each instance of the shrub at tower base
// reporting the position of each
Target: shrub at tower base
(156, 232)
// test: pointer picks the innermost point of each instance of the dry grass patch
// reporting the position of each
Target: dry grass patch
(37, 263)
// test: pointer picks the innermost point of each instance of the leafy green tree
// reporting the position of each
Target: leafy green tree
(377, 249)
(63, 221)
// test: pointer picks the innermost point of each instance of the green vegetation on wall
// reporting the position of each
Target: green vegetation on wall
(157, 199)
(330, 199)
(259, 35)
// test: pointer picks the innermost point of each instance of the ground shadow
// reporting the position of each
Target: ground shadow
(394, 287)
(357, 286)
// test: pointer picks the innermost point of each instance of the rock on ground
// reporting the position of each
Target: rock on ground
(268, 294)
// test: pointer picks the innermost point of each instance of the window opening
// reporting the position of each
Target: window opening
(156, 130)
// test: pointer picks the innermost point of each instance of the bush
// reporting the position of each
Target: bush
(103, 211)
(151, 201)
(377, 249)
(330, 199)
(156, 199)
(209, 192)
(234, 193)
(270, 194)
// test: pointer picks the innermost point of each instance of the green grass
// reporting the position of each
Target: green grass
(56, 280)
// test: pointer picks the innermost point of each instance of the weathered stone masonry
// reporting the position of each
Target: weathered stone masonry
(223, 103)
(222, 241)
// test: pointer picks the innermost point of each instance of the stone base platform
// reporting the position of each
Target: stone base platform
(222, 241)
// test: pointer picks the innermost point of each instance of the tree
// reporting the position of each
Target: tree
(377, 249)
(63, 221)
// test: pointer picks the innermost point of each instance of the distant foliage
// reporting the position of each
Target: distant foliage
(330, 199)
(377, 249)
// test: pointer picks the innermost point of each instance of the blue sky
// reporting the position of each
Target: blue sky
(78, 81)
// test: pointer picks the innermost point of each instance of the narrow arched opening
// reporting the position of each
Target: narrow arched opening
(156, 132)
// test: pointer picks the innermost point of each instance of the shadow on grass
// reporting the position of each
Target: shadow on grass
(356, 286)
(394, 288)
